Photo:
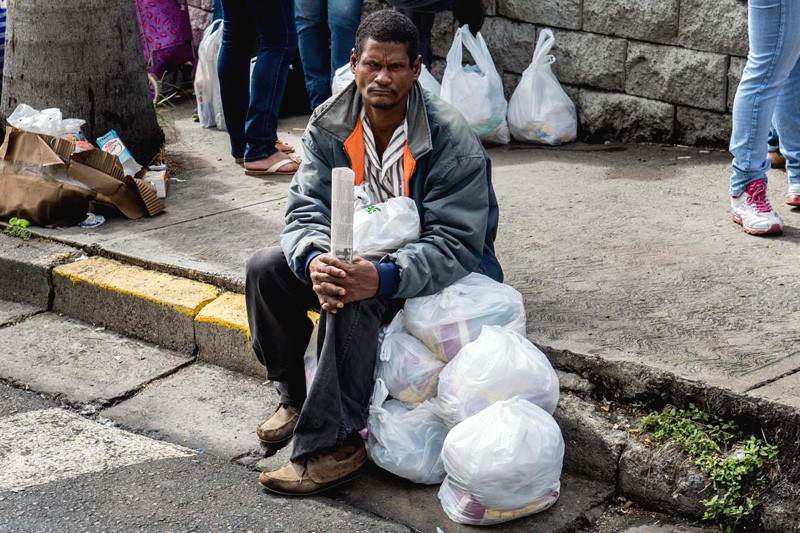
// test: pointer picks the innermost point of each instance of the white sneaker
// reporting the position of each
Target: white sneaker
(793, 194)
(752, 211)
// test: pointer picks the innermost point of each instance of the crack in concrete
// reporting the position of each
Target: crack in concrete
(772, 380)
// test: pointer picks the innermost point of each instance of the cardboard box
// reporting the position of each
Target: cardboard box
(94, 169)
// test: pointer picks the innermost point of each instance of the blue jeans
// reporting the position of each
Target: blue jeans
(316, 20)
(216, 10)
(251, 106)
(773, 141)
(770, 84)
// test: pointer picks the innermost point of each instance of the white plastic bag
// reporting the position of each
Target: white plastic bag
(342, 78)
(407, 443)
(344, 75)
(428, 82)
(498, 365)
(448, 320)
(310, 358)
(409, 370)
(47, 121)
(540, 111)
(503, 463)
(206, 79)
(476, 90)
(383, 228)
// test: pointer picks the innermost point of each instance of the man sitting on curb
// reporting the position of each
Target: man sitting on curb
(399, 141)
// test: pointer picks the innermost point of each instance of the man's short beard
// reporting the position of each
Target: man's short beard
(384, 106)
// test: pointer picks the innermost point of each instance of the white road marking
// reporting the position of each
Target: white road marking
(38, 447)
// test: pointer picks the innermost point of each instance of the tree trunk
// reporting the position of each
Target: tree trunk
(84, 57)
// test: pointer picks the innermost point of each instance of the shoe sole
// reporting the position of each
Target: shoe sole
(793, 200)
(276, 445)
(332, 485)
(773, 230)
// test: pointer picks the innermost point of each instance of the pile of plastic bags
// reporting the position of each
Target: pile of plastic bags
(471, 404)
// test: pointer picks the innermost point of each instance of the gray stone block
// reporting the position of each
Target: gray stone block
(653, 20)
(592, 445)
(590, 59)
(370, 6)
(714, 26)
(663, 479)
(510, 82)
(511, 43)
(612, 116)
(696, 127)
(490, 7)
(559, 13)
(734, 77)
(227, 348)
(25, 268)
(442, 33)
(677, 75)
(437, 68)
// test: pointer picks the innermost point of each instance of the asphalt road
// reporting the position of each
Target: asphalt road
(190, 492)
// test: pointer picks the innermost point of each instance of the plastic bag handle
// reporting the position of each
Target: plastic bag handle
(455, 55)
(543, 46)
(478, 49)
(379, 394)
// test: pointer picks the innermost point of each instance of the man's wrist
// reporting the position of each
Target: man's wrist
(388, 278)
(309, 258)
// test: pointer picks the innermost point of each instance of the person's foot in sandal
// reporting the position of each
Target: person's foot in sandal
(278, 164)
(284, 147)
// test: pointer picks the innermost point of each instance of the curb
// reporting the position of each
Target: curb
(170, 311)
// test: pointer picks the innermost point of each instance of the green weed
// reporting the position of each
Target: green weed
(738, 467)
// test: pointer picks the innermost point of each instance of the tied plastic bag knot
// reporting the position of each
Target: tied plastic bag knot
(540, 111)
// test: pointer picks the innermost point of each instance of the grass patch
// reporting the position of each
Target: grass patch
(739, 467)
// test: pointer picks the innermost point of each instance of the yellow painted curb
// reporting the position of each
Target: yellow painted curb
(227, 311)
(230, 311)
(185, 296)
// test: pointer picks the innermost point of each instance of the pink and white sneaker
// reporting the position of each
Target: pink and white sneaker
(753, 212)
(793, 195)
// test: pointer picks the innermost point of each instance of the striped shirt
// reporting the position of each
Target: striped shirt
(383, 177)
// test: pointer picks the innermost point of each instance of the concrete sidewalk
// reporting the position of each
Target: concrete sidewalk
(626, 256)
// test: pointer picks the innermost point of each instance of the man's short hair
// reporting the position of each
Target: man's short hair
(388, 26)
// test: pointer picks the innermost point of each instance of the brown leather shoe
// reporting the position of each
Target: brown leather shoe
(776, 159)
(278, 428)
(316, 474)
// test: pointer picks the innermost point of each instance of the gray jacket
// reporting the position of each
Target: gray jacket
(451, 185)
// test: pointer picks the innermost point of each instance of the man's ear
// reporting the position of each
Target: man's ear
(353, 59)
(417, 67)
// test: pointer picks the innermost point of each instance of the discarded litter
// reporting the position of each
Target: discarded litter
(92, 221)
(503, 463)
(158, 177)
(111, 143)
(47, 121)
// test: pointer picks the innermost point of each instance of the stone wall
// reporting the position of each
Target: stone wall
(638, 70)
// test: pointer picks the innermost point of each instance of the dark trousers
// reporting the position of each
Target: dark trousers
(337, 402)
(251, 106)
